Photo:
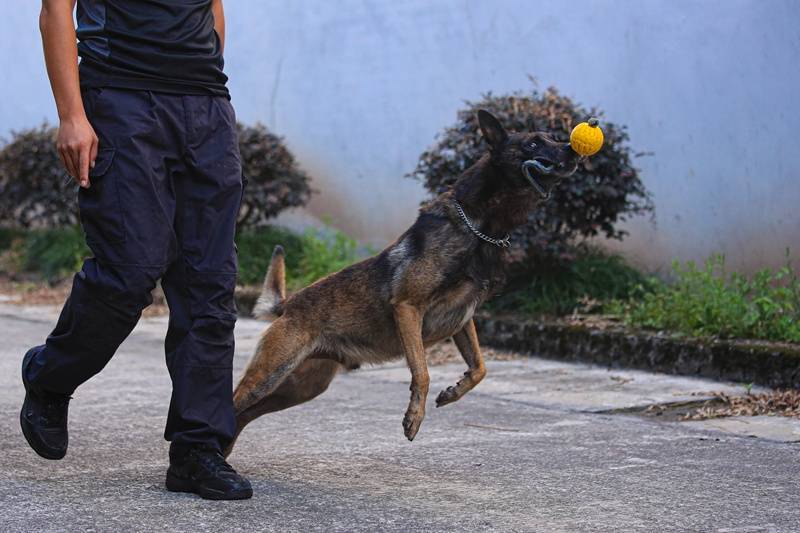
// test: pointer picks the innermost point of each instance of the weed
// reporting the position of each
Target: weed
(708, 301)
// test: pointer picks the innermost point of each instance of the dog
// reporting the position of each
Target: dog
(423, 288)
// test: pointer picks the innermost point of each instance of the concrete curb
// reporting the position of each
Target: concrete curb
(764, 363)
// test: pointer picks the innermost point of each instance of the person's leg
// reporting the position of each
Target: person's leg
(199, 288)
(127, 216)
(104, 305)
(200, 285)
(199, 351)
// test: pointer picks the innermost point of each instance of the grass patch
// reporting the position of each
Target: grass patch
(595, 277)
(708, 301)
(8, 236)
(51, 254)
(310, 256)
(56, 253)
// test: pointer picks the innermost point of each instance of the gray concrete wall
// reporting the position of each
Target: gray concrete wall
(360, 88)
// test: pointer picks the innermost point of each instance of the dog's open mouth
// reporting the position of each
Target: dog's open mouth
(535, 166)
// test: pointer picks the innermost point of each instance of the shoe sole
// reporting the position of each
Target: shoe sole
(26, 429)
(175, 484)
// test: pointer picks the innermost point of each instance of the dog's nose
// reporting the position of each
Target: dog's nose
(569, 155)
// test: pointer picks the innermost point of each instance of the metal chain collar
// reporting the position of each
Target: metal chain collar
(502, 243)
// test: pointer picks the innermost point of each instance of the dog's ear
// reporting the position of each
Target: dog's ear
(492, 130)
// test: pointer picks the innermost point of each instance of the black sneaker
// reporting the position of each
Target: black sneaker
(44, 418)
(204, 472)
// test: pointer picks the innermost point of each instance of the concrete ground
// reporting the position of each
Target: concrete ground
(534, 448)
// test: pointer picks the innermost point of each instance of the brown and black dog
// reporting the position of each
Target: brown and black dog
(420, 290)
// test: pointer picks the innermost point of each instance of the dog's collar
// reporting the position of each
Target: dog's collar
(502, 243)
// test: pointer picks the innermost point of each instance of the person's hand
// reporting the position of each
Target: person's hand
(77, 146)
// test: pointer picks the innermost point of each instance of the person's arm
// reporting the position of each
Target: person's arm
(76, 141)
(219, 21)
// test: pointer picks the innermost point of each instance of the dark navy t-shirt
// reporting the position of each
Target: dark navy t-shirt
(158, 45)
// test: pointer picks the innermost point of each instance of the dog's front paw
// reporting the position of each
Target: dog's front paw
(448, 395)
(411, 423)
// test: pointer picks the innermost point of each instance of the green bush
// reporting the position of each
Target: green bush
(324, 253)
(255, 250)
(708, 301)
(52, 254)
(585, 284)
(309, 256)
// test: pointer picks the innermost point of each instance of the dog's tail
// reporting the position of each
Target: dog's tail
(270, 303)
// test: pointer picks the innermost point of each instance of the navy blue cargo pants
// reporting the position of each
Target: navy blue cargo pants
(164, 197)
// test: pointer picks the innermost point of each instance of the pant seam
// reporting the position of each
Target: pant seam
(137, 265)
(226, 272)
(214, 367)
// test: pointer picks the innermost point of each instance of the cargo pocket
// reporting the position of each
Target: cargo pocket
(100, 206)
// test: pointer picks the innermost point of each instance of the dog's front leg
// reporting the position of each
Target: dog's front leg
(409, 327)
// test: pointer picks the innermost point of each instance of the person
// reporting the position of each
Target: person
(148, 132)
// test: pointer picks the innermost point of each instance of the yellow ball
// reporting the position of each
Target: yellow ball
(586, 138)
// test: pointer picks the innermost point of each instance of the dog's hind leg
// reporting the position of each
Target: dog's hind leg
(308, 381)
(281, 350)
(466, 340)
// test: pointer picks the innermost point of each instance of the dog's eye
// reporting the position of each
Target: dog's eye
(532, 146)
